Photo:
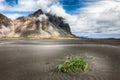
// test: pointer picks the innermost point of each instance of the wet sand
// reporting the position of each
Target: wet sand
(34, 59)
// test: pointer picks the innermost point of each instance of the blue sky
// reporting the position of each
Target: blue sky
(71, 5)
(94, 18)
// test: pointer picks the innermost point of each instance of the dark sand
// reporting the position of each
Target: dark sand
(34, 59)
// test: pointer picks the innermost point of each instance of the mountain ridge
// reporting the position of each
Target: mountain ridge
(35, 25)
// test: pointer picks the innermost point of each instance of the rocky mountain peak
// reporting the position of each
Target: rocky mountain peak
(6, 26)
(38, 12)
(4, 20)
(35, 25)
(59, 21)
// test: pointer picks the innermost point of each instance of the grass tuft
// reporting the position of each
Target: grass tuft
(73, 64)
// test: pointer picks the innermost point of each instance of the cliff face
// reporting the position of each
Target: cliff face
(36, 25)
(6, 26)
(59, 21)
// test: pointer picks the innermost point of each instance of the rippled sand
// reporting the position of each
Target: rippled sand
(34, 59)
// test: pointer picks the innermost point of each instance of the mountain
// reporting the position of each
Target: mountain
(6, 26)
(35, 25)
(59, 21)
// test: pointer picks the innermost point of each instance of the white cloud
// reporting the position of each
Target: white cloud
(42, 16)
(13, 16)
(25, 5)
(102, 16)
(98, 17)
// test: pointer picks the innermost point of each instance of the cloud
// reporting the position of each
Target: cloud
(13, 15)
(98, 17)
(28, 5)
(101, 16)
(43, 16)
(24, 5)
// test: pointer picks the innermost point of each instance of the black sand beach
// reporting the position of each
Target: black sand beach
(34, 59)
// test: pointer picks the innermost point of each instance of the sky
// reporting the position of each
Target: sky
(93, 18)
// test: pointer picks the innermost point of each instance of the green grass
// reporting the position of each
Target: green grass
(73, 64)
